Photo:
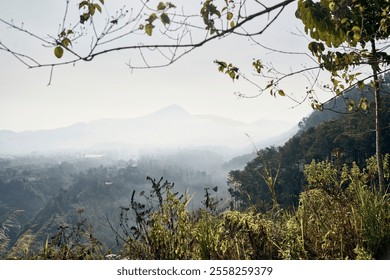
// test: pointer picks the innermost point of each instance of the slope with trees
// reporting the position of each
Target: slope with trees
(348, 138)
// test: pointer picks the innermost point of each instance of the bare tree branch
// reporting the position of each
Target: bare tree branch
(105, 37)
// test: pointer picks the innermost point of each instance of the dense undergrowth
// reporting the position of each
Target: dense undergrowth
(340, 215)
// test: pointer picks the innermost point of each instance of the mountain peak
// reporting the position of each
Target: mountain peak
(171, 111)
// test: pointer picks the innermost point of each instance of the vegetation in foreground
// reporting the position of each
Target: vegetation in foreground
(340, 215)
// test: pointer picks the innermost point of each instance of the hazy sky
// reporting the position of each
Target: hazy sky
(106, 88)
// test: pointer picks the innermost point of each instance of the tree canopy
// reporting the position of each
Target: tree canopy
(346, 27)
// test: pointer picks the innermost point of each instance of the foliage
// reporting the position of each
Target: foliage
(9, 223)
(354, 22)
(339, 216)
(159, 232)
(343, 222)
(344, 26)
(70, 242)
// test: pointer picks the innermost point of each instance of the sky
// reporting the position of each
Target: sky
(107, 88)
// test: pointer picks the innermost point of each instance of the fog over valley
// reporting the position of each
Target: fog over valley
(169, 128)
(51, 174)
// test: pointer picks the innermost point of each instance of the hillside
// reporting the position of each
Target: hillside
(343, 140)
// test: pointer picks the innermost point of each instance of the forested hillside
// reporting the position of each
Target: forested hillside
(336, 135)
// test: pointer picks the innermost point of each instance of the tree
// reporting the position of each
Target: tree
(347, 27)
(175, 31)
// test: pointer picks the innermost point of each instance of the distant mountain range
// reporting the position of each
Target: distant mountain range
(170, 127)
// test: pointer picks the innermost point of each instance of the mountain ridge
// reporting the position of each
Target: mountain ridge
(168, 127)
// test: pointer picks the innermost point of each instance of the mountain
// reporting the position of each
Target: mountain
(170, 127)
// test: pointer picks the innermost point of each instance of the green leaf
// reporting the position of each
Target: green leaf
(257, 65)
(149, 29)
(97, 6)
(66, 42)
(270, 84)
(83, 3)
(170, 5)
(319, 107)
(363, 104)
(361, 85)
(281, 92)
(356, 29)
(152, 18)
(92, 9)
(232, 24)
(165, 18)
(102, 1)
(221, 63)
(229, 15)
(161, 6)
(351, 105)
(58, 51)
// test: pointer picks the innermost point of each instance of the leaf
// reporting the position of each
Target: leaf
(363, 104)
(232, 24)
(92, 9)
(66, 42)
(351, 105)
(319, 107)
(229, 15)
(102, 1)
(221, 63)
(83, 3)
(152, 18)
(165, 18)
(270, 84)
(361, 85)
(149, 29)
(58, 51)
(97, 6)
(161, 6)
(170, 5)
(84, 17)
(281, 92)
(356, 29)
